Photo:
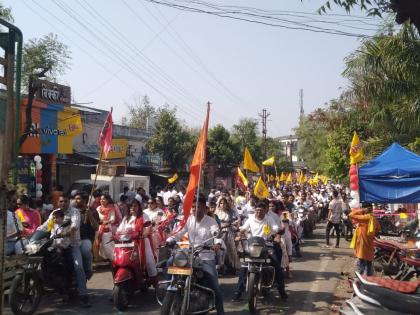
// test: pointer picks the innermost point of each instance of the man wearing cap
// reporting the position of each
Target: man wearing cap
(367, 228)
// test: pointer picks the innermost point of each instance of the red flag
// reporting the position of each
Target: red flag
(105, 138)
(197, 162)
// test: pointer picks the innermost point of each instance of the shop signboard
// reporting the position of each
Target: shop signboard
(52, 130)
(119, 149)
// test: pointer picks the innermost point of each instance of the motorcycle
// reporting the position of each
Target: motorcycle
(185, 293)
(386, 257)
(260, 275)
(47, 268)
(303, 221)
(128, 274)
(374, 295)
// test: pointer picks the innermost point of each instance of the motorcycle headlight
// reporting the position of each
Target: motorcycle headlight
(181, 259)
(255, 250)
(125, 238)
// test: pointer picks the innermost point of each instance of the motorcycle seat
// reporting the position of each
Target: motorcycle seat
(406, 287)
(412, 261)
(385, 244)
(404, 303)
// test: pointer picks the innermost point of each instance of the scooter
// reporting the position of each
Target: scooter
(128, 274)
(373, 295)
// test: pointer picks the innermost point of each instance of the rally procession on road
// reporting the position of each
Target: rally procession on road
(179, 242)
(191, 197)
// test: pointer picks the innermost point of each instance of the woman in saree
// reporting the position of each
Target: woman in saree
(107, 217)
(138, 224)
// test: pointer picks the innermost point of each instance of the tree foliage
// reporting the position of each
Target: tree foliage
(221, 150)
(47, 55)
(382, 105)
(405, 10)
(245, 134)
(171, 140)
(140, 113)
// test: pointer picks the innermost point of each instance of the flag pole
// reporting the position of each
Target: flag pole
(196, 205)
(94, 180)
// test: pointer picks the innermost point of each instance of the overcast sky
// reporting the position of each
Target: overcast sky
(124, 48)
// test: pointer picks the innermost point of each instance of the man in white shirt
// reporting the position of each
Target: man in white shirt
(263, 226)
(334, 218)
(200, 228)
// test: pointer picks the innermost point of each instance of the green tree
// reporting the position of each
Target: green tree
(171, 140)
(46, 55)
(336, 154)
(405, 10)
(385, 74)
(140, 112)
(245, 134)
(312, 135)
(221, 150)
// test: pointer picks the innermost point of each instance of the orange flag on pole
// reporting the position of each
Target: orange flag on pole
(197, 163)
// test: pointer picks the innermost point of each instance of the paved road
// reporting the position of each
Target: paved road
(311, 290)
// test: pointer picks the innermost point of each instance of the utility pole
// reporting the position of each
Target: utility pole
(264, 116)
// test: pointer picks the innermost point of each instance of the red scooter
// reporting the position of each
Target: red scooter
(128, 274)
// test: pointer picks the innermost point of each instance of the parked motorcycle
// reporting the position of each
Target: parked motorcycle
(128, 274)
(373, 295)
(185, 292)
(260, 276)
(387, 258)
(47, 269)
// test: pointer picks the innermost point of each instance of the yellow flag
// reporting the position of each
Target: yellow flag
(324, 179)
(271, 178)
(173, 178)
(266, 229)
(305, 179)
(242, 177)
(261, 190)
(316, 179)
(282, 177)
(289, 178)
(356, 152)
(300, 178)
(269, 162)
(249, 163)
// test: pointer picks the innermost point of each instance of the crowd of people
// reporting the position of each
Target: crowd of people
(156, 218)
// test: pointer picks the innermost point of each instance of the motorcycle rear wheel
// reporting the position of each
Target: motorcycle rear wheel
(252, 292)
(120, 296)
(172, 304)
(25, 289)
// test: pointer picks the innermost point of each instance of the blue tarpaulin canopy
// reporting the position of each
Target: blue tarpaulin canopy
(392, 177)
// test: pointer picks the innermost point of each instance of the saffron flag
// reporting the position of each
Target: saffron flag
(249, 163)
(197, 162)
(269, 162)
(173, 179)
(261, 190)
(242, 177)
(105, 138)
(356, 152)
